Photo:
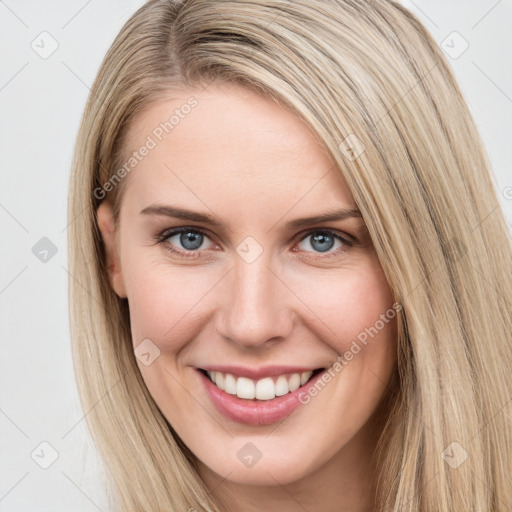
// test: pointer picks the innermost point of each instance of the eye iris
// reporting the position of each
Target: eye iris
(326, 242)
(191, 240)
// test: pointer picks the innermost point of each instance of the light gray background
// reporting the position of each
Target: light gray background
(41, 102)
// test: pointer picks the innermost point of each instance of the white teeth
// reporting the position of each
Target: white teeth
(294, 382)
(282, 386)
(219, 380)
(263, 389)
(230, 384)
(305, 376)
(244, 388)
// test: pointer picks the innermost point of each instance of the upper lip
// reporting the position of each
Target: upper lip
(258, 373)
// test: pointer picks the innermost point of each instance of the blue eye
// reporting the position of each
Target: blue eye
(191, 239)
(324, 241)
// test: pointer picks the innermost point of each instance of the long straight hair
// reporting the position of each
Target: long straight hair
(376, 90)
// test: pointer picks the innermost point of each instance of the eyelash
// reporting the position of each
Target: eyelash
(162, 239)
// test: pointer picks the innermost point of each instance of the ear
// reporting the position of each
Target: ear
(108, 234)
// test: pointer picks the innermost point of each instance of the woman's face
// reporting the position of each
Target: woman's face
(252, 288)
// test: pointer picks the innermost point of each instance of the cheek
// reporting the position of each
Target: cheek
(358, 321)
(348, 303)
(164, 301)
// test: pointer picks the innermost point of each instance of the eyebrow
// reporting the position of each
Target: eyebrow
(182, 213)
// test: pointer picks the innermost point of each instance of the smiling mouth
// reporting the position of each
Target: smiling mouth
(263, 389)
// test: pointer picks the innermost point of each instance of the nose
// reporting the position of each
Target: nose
(258, 306)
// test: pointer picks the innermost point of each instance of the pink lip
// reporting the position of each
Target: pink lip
(254, 412)
(258, 373)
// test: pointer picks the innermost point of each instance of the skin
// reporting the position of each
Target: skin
(253, 165)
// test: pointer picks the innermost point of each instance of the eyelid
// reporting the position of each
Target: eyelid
(349, 239)
(299, 236)
(345, 238)
(180, 229)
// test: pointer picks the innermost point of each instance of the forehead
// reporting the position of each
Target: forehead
(229, 144)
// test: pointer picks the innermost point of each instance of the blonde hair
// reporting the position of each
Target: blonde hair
(425, 190)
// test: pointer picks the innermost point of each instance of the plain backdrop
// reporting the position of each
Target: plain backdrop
(50, 54)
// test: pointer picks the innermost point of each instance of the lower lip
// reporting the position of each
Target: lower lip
(255, 412)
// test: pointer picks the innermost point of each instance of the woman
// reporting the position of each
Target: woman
(293, 275)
